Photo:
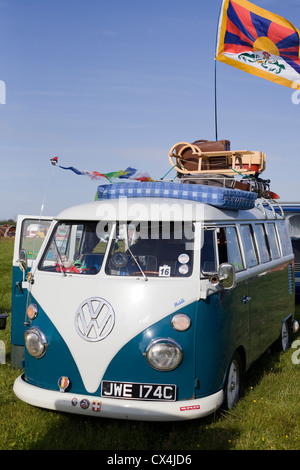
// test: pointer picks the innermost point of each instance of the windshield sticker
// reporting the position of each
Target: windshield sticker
(183, 258)
(164, 271)
(183, 269)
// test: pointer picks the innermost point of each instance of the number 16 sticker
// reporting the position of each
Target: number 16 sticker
(164, 271)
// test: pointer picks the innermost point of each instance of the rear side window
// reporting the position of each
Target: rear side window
(285, 239)
(273, 242)
(233, 248)
(249, 247)
(262, 243)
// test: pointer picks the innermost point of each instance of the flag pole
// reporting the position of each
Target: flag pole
(215, 58)
(216, 107)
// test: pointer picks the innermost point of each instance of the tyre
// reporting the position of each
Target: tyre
(233, 382)
(284, 340)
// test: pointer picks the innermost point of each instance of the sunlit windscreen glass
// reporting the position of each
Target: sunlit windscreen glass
(76, 248)
(151, 248)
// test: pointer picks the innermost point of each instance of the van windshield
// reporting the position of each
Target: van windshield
(157, 249)
(76, 247)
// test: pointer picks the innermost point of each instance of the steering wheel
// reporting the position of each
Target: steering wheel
(119, 259)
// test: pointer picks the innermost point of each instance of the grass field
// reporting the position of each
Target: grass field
(267, 417)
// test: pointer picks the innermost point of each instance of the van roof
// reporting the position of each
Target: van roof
(143, 209)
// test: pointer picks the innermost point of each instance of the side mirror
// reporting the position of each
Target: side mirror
(23, 260)
(226, 275)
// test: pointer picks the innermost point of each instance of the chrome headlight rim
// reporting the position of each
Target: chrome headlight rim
(173, 363)
(35, 333)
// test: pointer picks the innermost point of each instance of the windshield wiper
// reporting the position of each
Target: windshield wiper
(60, 264)
(137, 263)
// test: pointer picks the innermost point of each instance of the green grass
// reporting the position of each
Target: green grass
(267, 417)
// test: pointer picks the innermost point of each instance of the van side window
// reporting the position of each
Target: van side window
(262, 242)
(208, 252)
(229, 247)
(249, 247)
(233, 248)
(285, 239)
(272, 237)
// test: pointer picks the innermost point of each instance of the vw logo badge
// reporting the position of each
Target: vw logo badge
(94, 319)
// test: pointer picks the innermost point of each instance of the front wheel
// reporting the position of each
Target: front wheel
(233, 382)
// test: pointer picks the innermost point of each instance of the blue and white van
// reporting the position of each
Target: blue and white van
(150, 303)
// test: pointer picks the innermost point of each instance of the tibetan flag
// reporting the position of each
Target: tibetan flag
(259, 42)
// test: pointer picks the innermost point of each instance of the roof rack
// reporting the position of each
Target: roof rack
(269, 203)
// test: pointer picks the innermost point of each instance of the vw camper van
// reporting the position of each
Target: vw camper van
(151, 302)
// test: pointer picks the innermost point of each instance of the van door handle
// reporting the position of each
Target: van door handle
(245, 299)
(19, 287)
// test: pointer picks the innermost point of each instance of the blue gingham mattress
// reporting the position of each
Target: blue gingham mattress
(224, 198)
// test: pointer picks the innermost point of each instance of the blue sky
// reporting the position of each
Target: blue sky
(110, 84)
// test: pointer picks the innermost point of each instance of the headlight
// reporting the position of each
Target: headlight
(35, 341)
(164, 354)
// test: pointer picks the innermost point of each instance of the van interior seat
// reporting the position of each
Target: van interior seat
(92, 262)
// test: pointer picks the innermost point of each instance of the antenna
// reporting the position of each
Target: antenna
(54, 161)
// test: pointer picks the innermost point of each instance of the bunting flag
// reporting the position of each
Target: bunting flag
(259, 42)
(113, 177)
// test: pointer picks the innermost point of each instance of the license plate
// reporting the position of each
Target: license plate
(137, 391)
